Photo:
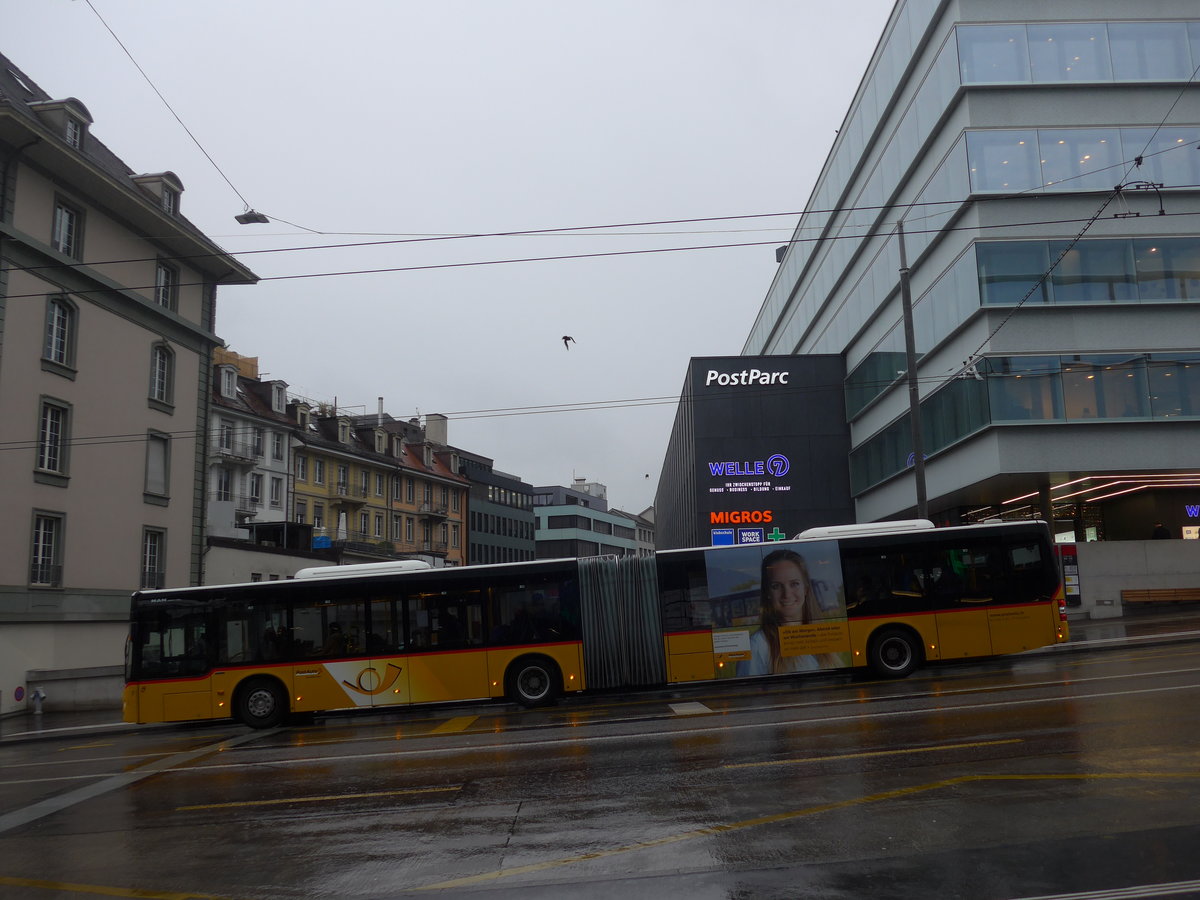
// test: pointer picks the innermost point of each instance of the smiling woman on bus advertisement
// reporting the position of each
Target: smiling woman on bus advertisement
(789, 599)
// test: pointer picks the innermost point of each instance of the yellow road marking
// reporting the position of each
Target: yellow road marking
(285, 800)
(85, 746)
(458, 723)
(809, 759)
(102, 891)
(787, 816)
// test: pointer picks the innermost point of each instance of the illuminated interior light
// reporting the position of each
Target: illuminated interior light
(721, 665)
(1062, 142)
(298, 699)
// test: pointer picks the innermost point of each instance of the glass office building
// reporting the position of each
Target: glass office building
(1056, 319)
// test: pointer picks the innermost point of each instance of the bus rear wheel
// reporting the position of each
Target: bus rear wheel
(894, 653)
(262, 703)
(533, 681)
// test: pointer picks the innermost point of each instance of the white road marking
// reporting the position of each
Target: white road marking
(690, 709)
(51, 805)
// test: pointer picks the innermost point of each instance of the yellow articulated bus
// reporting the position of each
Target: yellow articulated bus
(889, 596)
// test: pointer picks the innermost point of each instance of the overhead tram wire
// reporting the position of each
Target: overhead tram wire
(25, 444)
(558, 257)
(583, 230)
(170, 109)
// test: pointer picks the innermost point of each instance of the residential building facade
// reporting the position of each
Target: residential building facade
(374, 485)
(1032, 170)
(107, 312)
(250, 443)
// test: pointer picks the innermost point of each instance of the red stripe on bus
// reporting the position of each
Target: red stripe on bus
(179, 679)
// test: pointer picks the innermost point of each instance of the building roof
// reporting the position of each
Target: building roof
(27, 122)
(322, 434)
(253, 399)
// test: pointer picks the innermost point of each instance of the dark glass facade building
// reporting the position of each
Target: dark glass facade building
(757, 453)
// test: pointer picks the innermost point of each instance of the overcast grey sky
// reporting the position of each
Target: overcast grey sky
(383, 119)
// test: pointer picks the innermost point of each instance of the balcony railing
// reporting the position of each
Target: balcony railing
(349, 490)
(45, 575)
(235, 450)
(241, 502)
(436, 510)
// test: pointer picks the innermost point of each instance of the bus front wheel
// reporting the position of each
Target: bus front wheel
(533, 681)
(894, 653)
(262, 703)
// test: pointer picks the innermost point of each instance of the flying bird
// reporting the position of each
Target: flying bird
(568, 341)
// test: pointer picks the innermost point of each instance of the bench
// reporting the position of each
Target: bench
(1161, 595)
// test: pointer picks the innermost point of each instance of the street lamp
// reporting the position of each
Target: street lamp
(251, 217)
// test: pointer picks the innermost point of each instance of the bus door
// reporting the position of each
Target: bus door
(447, 659)
(958, 585)
(327, 646)
(1027, 616)
(383, 677)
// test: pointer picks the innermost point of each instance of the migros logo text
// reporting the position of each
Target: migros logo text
(742, 517)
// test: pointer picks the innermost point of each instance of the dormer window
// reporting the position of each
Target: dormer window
(68, 118)
(380, 441)
(170, 201)
(278, 397)
(344, 432)
(73, 133)
(302, 414)
(397, 446)
(228, 382)
(428, 456)
(165, 187)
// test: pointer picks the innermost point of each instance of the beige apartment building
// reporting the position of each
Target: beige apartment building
(107, 297)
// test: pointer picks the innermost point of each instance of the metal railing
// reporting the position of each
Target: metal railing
(45, 575)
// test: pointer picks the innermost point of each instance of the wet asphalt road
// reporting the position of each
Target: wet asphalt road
(1011, 778)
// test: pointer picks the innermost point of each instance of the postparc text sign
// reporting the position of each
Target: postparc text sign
(744, 377)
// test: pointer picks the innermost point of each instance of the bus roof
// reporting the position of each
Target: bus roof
(379, 568)
(834, 531)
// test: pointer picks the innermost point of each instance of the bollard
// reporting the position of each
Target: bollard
(37, 696)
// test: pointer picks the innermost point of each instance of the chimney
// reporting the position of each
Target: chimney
(436, 428)
(379, 416)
